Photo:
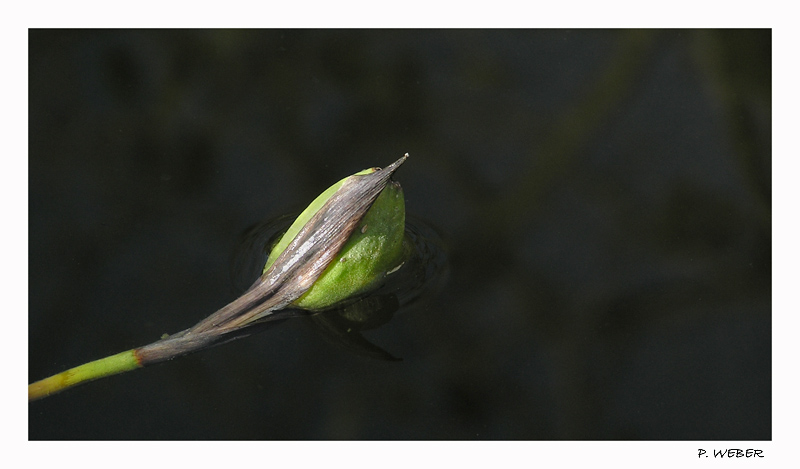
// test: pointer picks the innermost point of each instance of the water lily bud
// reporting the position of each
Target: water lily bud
(373, 250)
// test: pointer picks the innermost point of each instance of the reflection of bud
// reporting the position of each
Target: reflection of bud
(374, 249)
(343, 326)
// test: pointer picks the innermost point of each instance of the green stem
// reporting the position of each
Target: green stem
(119, 363)
(170, 347)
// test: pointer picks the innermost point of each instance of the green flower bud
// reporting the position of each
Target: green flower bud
(373, 251)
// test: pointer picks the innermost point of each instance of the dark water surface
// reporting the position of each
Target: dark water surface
(604, 197)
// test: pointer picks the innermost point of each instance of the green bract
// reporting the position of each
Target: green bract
(373, 250)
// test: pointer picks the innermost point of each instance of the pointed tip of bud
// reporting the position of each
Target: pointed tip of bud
(393, 167)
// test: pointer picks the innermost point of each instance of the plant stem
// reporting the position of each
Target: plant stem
(170, 347)
(119, 363)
